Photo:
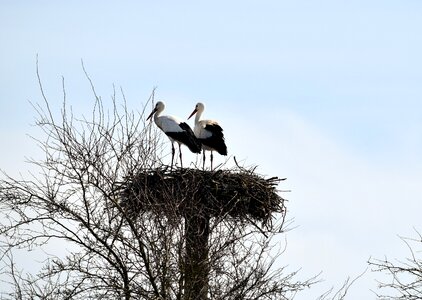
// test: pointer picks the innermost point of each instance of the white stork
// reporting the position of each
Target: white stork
(176, 130)
(209, 133)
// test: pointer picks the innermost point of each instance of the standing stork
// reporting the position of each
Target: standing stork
(209, 133)
(176, 130)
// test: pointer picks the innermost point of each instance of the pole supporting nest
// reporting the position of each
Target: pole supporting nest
(196, 267)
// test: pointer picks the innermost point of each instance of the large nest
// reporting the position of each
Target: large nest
(240, 194)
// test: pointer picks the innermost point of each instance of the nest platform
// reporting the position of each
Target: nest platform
(239, 194)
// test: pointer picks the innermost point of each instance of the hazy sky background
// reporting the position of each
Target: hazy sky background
(325, 93)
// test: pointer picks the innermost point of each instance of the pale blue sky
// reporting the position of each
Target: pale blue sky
(330, 93)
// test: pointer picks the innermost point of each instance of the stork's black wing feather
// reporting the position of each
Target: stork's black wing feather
(216, 140)
(186, 137)
(215, 129)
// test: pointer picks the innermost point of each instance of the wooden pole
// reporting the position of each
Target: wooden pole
(196, 268)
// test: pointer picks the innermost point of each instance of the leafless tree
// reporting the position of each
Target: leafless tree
(405, 275)
(121, 251)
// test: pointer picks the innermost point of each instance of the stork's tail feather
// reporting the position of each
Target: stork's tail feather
(194, 145)
(190, 139)
(216, 143)
(223, 149)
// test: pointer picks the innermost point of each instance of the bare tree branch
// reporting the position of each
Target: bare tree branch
(405, 276)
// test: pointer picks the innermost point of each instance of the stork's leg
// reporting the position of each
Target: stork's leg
(172, 155)
(203, 159)
(211, 160)
(180, 155)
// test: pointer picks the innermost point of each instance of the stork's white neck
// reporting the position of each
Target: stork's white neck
(157, 114)
(198, 115)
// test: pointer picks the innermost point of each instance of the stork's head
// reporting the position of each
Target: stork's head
(199, 107)
(159, 107)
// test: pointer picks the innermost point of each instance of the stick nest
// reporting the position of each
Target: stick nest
(240, 194)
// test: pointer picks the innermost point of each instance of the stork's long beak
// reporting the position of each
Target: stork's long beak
(194, 112)
(151, 114)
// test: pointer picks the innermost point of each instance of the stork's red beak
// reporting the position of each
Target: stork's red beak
(194, 112)
(151, 114)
